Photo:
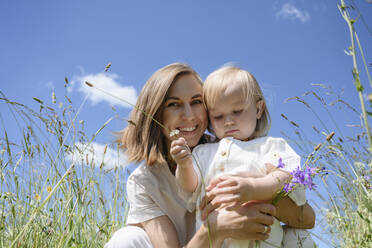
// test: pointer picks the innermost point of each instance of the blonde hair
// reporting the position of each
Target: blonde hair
(230, 78)
(143, 138)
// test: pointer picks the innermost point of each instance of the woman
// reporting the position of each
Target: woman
(158, 216)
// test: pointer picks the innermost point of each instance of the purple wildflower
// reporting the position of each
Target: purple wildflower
(288, 187)
(280, 163)
(302, 177)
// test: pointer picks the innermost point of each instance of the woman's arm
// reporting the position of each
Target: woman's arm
(295, 216)
(161, 232)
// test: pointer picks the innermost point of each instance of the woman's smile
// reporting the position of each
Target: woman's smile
(189, 131)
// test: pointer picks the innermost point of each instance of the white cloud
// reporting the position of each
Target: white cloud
(289, 11)
(94, 153)
(107, 82)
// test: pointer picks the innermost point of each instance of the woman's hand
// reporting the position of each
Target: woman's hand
(180, 151)
(251, 221)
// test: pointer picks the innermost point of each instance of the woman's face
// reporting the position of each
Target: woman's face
(183, 109)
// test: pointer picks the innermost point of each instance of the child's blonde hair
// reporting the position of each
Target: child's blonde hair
(230, 78)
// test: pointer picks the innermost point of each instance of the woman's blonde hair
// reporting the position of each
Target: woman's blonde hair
(231, 78)
(143, 139)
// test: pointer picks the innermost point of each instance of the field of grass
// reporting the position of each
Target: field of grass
(53, 194)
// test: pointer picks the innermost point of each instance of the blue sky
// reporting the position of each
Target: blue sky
(287, 45)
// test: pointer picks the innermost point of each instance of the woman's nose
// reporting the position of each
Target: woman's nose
(187, 112)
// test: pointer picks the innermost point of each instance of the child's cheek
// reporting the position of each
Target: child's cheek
(218, 129)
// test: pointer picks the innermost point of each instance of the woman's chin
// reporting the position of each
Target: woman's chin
(192, 138)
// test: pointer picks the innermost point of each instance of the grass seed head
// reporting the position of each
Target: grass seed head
(107, 67)
(285, 117)
(89, 84)
(294, 124)
(330, 136)
(53, 97)
(66, 81)
(317, 147)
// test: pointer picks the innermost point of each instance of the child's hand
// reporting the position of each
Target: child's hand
(270, 168)
(231, 188)
(180, 151)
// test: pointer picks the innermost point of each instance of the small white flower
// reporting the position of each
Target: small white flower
(174, 133)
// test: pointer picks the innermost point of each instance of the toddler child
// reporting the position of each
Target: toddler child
(240, 121)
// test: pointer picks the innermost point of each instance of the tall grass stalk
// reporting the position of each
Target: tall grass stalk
(350, 22)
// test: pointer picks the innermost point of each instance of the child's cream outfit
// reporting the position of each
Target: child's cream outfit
(231, 156)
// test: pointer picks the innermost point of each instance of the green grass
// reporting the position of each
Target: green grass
(47, 200)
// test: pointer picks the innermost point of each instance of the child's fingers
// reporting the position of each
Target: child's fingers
(180, 141)
(270, 167)
(214, 182)
(183, 154)
(179, 154)
(226, 183)
(226, 190)
(177, 148)
(174, 150)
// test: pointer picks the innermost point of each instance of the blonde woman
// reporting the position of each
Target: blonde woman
(158, 216)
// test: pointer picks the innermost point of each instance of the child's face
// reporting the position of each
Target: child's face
(233, 117)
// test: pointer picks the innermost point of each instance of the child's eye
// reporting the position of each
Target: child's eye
(238, 111)
(218, 117)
